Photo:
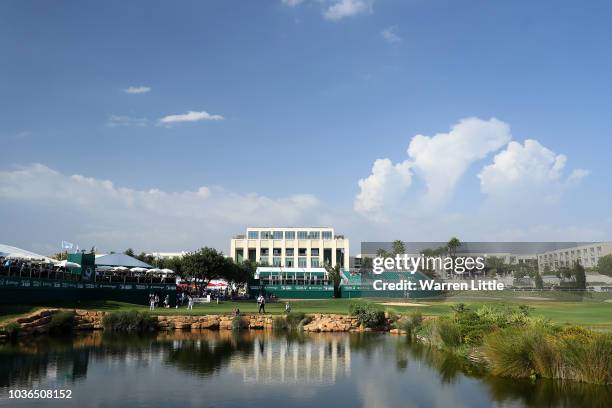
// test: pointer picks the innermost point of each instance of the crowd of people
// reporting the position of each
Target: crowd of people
(33, 269)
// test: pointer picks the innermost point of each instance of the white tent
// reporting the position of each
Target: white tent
(68, 264)
(120, 260)
(12, 252)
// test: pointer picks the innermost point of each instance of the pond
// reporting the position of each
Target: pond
(225, 369)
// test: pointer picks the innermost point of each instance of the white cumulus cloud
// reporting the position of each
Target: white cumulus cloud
(137, 89)
(383, 187)
(340, 9)
(528, 167)
(442, 159)
(97, 212)
(191, 116)
(439, 160)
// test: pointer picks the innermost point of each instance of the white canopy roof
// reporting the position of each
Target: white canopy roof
(120, 260)
(8, 251)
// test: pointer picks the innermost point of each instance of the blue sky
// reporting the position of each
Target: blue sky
(311, 93)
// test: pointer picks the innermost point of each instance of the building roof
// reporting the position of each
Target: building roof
(120, 260)
(8, 251)
(514, 248)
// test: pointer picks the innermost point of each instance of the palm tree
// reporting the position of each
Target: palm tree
(335, 276)
(452, 245)
(381, 253)
(398, 247)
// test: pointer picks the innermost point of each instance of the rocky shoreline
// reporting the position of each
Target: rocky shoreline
(40, 322)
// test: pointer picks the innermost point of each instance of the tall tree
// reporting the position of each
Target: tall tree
(381, 253)
(604, 265)
(539, 282)
(335, 276)
(366, 263)
(452, 245)
(397, 247)
(579, 275)
(129, 252)
(205, 263)
(496, 266)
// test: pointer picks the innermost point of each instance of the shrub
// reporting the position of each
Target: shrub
(459, 308)
(589, 359)
(279, 323)
(510, 352)
(12, 329)
(542, 350)
(238, 323)
(62, 322)
(411, 323)
(294, 319)
(368, 315)
(131, 321)
(449, 333)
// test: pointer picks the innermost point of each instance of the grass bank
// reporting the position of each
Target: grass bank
(512, 343)
(593, 310)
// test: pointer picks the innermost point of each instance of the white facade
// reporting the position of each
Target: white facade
(167, 255)
(588, 256)
(291, 247)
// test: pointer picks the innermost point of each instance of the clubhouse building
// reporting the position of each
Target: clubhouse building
(291, 262)
(288, 247)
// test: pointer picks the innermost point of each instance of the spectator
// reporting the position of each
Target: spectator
(261, 301)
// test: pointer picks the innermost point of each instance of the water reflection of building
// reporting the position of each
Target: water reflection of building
(291, 362)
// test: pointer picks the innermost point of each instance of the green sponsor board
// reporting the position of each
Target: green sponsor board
(14, 290)
(87, 270)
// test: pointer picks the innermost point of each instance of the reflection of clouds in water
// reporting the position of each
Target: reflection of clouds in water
(221, 368)
(383, 384)
(320, 361)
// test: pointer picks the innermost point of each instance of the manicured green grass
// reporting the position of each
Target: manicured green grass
(562, 308)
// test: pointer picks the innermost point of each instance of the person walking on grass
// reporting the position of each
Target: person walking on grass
(261, 301)
(189, 302)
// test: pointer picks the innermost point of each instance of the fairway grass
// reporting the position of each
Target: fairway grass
(591, 310)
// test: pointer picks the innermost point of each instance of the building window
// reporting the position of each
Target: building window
(278, 234)
(314, 262)
(327, 235)
(263, 261)
(290, 262)
(301, 251)
(289, 252)
(289, 234)
(302, 235)
(276, 261)
(314, 252)
(266, 234)
(302, 262)
(313, 235)
(253, 234)
(264, 252)
(276, 252)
